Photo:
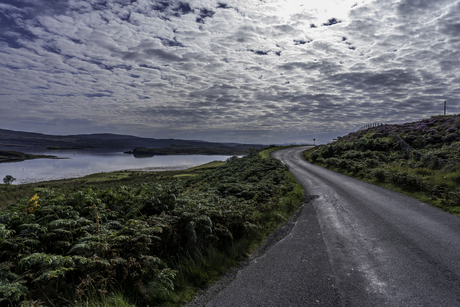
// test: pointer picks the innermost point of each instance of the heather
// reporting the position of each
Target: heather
(421, 159)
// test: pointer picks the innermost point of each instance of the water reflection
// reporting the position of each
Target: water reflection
(84, 162)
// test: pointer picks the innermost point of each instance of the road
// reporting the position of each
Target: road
(353, 244)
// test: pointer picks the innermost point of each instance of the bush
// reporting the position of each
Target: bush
(378, 174)
(8, 179)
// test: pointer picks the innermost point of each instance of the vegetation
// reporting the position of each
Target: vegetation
(155, 240)
(16, 156)
(265, 154)
(421, 159)
(8, 179)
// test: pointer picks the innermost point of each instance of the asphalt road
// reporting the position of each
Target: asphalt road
(353, 244)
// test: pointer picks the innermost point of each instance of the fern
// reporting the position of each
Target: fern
(5, 233)
(91, 241)
(12, 291)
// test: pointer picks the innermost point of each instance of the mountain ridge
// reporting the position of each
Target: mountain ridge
(10, 138)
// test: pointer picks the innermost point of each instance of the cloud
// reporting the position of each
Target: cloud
(249, 70)
(331, 22)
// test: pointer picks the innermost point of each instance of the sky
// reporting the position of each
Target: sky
(247, 71)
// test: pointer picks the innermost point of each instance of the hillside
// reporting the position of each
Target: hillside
(420, 158)
(108, 141)
(439, 132)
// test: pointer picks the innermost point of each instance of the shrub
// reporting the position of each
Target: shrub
(8, 179)
(378, 174)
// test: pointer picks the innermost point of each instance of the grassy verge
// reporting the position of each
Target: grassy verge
(265, 153)
(138, 238)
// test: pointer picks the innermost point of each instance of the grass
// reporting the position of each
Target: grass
(195, 272)
(113, 300)
(265, 154)
(206, 166)
(12, 193)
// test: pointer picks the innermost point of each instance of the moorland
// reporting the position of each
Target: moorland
(138, 238)
(141, 238)
(421, 159)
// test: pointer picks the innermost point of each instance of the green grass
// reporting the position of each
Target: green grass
(12, 193)
(265, 154)
(206, 166)
(112, 300)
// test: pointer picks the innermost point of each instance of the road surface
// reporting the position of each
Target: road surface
(353, 244)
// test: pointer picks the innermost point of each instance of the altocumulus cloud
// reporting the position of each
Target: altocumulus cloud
(225, 70)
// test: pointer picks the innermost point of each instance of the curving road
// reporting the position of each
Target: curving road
(353, 244)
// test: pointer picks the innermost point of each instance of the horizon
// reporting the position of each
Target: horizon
(228, 71)
(315, 141)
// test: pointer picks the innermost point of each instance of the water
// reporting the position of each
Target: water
(78, 163)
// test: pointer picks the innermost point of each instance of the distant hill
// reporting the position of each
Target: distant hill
(108, 141)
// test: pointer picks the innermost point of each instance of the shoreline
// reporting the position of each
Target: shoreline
(76, 176)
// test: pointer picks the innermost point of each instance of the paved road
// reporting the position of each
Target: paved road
(354, 244)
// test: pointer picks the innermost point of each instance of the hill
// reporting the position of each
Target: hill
(420, 158)
(109, 141)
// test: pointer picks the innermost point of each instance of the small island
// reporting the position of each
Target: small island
(16, 156)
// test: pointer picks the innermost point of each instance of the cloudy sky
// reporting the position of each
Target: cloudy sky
(259, 71)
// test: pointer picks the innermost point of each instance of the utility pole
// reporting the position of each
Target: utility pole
(445, 107)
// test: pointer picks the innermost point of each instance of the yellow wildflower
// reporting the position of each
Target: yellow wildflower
(33, 204)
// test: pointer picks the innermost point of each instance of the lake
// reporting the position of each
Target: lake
(78, 163)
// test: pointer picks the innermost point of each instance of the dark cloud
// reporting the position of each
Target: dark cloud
(172, 8)
(331, 22)
(258, 52)
(163, 54)
(170, 43)
(204, 13)
(450, 22)
(221, 5)
(284, 28)
(301, 42)
(98, 95)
